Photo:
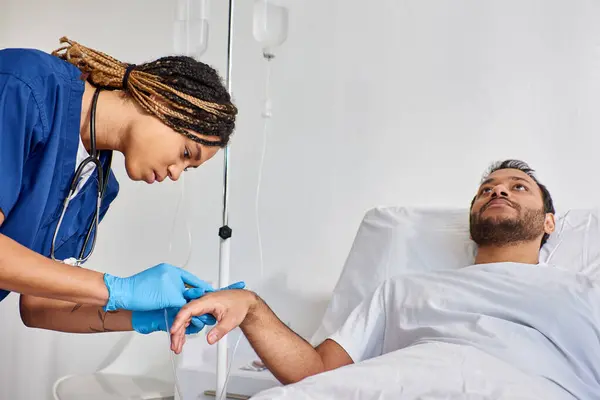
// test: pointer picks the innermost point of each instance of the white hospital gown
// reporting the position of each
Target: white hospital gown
(540, 320)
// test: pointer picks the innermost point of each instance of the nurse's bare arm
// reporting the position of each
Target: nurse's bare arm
(64, 316)
(289, 357)
(27, 272)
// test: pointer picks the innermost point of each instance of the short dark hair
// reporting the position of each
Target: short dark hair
(524, 167)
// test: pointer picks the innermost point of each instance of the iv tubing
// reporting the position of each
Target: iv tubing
(258, 234)
(184, 266)
(177, 386)
(187, 226)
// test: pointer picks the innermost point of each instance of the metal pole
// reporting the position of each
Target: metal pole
(225, 231)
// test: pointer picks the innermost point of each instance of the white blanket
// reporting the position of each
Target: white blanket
(425, 372)
(494, 331)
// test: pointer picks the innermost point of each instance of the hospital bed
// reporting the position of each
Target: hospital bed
(389, 241)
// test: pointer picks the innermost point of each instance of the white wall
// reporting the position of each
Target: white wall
(394, 102)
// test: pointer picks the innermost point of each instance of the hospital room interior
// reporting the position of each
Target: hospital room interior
(363, 133)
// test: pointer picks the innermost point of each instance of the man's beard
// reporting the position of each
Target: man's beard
(507, 231)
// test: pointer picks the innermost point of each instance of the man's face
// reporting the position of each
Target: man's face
(509, 209)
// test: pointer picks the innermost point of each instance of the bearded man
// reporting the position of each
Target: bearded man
(505, 327)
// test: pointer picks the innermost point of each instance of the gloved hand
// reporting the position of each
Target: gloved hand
(162, 286)
(197, 292)
(145, 322)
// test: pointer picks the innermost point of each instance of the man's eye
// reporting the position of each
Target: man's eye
(520, 187)
(486, 190)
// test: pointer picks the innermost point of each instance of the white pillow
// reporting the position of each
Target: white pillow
(575, 244)
(394, 240)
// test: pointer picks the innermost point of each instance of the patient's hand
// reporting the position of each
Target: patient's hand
(288, 356)
(229, 307)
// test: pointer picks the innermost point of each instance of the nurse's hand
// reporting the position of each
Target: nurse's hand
(159, 287)
(145, 322)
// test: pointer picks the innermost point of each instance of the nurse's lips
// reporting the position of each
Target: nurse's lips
(158, 178)
(152, 179)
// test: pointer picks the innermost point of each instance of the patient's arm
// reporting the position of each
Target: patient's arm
(63, 316)
(289, 357)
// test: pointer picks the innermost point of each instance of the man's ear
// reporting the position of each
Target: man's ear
(549, 223)
(471, 218)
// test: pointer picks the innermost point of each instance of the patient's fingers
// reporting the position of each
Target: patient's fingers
(193, 308)
(178, 337)
(229, 308)
(225, 325)
(178, 340)
(180, 343)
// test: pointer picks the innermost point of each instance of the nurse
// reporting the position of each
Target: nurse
(74, 105)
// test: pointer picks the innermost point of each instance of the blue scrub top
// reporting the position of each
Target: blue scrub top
(40, 112)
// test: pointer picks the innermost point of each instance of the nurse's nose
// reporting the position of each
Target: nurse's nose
(174, 171)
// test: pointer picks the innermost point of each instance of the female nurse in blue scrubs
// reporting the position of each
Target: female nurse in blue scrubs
(61, 117)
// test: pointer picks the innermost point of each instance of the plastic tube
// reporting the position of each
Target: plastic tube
(184, 266)
(177, 386)
(258, 289)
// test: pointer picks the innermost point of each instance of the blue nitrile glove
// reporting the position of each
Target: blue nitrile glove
(196, 293)
(145, 322)
(161, 286)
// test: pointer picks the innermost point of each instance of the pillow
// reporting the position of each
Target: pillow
(394, 240)
(575, 243)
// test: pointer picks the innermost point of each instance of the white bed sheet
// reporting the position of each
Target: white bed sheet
(492, 331)
(444, 371)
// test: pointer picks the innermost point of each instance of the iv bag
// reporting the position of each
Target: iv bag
(190, 33)
(270, 26)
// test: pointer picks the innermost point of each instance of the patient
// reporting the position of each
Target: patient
(511, 217)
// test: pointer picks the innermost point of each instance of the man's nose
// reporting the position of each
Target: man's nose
(499, 191)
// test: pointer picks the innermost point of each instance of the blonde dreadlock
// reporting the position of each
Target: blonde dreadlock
(185, 94)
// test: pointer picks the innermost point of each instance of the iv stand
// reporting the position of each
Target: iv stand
(225, 230)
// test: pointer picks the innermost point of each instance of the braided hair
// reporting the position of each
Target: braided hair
(185, 94)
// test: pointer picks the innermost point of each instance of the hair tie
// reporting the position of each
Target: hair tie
(128, 70)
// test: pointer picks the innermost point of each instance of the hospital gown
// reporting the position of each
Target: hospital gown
(538, 320)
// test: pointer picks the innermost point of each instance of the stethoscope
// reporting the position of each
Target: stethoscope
(103, 174)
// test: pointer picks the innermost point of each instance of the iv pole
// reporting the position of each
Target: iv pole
(225, 230)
